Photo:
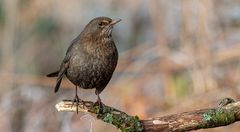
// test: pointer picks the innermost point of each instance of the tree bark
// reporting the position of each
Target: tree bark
(226, 113)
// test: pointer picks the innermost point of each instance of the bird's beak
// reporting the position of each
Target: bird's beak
(115, 21)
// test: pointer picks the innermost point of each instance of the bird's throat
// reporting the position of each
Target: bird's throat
(103, 46)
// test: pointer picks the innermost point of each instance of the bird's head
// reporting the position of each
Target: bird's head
(100, 26)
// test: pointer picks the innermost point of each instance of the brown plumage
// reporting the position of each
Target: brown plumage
(91, 57)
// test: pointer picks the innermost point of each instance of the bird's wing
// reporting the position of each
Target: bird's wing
(61, 72)
(64, 66)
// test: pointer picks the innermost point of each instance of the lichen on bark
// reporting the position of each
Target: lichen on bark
(121, 120)
(218, 117)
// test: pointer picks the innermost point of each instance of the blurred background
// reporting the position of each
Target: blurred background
(175, 56)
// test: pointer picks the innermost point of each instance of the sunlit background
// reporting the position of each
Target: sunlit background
(175, 56)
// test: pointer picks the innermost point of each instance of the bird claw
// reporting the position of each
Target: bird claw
(76, 100)
(100, 104)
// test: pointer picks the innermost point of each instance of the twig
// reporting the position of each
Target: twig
(226, 113)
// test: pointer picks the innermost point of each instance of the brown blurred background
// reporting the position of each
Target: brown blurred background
(175, 56)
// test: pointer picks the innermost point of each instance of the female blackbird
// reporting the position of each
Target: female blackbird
(91, 58)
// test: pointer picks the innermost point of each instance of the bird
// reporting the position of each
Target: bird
(90, 59)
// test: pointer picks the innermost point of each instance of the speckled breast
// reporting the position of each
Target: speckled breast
(90, 71)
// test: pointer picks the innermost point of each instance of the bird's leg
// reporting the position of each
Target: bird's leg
(99, 103)
(76, 99)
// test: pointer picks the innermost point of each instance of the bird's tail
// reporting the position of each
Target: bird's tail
(59, 79)
(53, 74)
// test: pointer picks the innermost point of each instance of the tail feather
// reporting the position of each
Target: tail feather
(58, 84)
(59, 74)
(53, 74)
(59, 79)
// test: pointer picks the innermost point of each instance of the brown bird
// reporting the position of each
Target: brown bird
(91, 58)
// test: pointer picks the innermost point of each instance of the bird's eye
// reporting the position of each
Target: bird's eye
(100, 24)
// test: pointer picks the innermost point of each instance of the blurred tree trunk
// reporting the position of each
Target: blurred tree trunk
(7, 47)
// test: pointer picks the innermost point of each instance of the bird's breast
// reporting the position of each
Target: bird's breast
(89, 69)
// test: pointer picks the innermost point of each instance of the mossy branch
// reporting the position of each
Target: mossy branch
(121, 120)
(226, 113)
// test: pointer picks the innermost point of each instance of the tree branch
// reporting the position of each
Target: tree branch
(226, 113)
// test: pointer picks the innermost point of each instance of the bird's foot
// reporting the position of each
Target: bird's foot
(77, 100)
(100, 104)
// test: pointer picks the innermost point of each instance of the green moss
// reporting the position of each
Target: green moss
(218, 117)
(121, 120)
(108, 118)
